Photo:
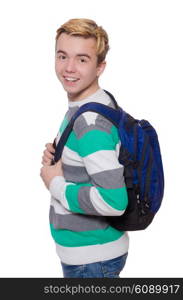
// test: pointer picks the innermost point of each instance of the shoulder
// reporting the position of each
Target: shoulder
(89, 121)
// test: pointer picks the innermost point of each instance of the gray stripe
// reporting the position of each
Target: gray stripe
(85, 202)
(75, 174)
(76, 222)
(71, 112)
(103, 122)
(91, 127)
(110, 179)
(81, 126)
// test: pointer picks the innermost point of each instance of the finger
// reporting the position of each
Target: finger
(50, 148)
(46, 160)
(44, 163)
(47, 154)
(59, 163)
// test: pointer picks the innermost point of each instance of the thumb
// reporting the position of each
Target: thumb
(59, 163)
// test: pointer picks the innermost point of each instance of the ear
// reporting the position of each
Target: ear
(100, 68)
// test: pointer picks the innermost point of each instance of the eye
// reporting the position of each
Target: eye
(62, 57)
(83, 60)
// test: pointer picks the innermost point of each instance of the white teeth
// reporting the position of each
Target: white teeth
(70, 79)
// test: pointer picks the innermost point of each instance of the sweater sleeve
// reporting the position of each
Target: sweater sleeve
(106, 193)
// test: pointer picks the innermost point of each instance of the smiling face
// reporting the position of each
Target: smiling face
(76, 66)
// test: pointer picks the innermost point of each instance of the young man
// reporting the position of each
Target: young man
(87, 184)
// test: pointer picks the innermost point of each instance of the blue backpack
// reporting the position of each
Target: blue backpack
(141, 157)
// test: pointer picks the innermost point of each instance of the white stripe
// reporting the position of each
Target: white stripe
(118, 148)
(59, 208)
(101, 206)
(93, 253)
(71, 158)
(90, 117)
(100, 161)
(58, 137)
(57, 189)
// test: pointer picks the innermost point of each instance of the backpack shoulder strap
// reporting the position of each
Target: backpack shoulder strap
(113, 99)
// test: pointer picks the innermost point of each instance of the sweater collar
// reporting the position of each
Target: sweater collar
(99, 96)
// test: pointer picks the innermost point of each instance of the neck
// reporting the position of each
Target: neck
(83, 94)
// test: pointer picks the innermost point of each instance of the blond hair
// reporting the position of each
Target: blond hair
(87, 28)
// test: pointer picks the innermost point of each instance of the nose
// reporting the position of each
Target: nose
(70, 66)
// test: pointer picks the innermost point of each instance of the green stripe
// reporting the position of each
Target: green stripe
(92, 141)
(115, 135)
(72, 197)
(117, 198)
(72, 142)
(69, 238)
(63, 125)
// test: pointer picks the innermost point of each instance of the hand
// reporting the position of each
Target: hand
(47, 154)
(48, 172)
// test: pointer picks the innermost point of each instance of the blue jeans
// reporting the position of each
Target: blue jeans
(108, 268)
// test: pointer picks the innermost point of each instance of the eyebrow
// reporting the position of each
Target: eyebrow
(79, 54)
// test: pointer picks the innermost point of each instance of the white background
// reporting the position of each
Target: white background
(145, 74)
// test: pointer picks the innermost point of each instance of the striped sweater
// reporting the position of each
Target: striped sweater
(92, 188)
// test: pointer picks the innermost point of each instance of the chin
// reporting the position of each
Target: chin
(73, 95)
(73, 90)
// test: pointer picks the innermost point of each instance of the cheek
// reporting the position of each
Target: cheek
(89, 73)
(58, 67)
